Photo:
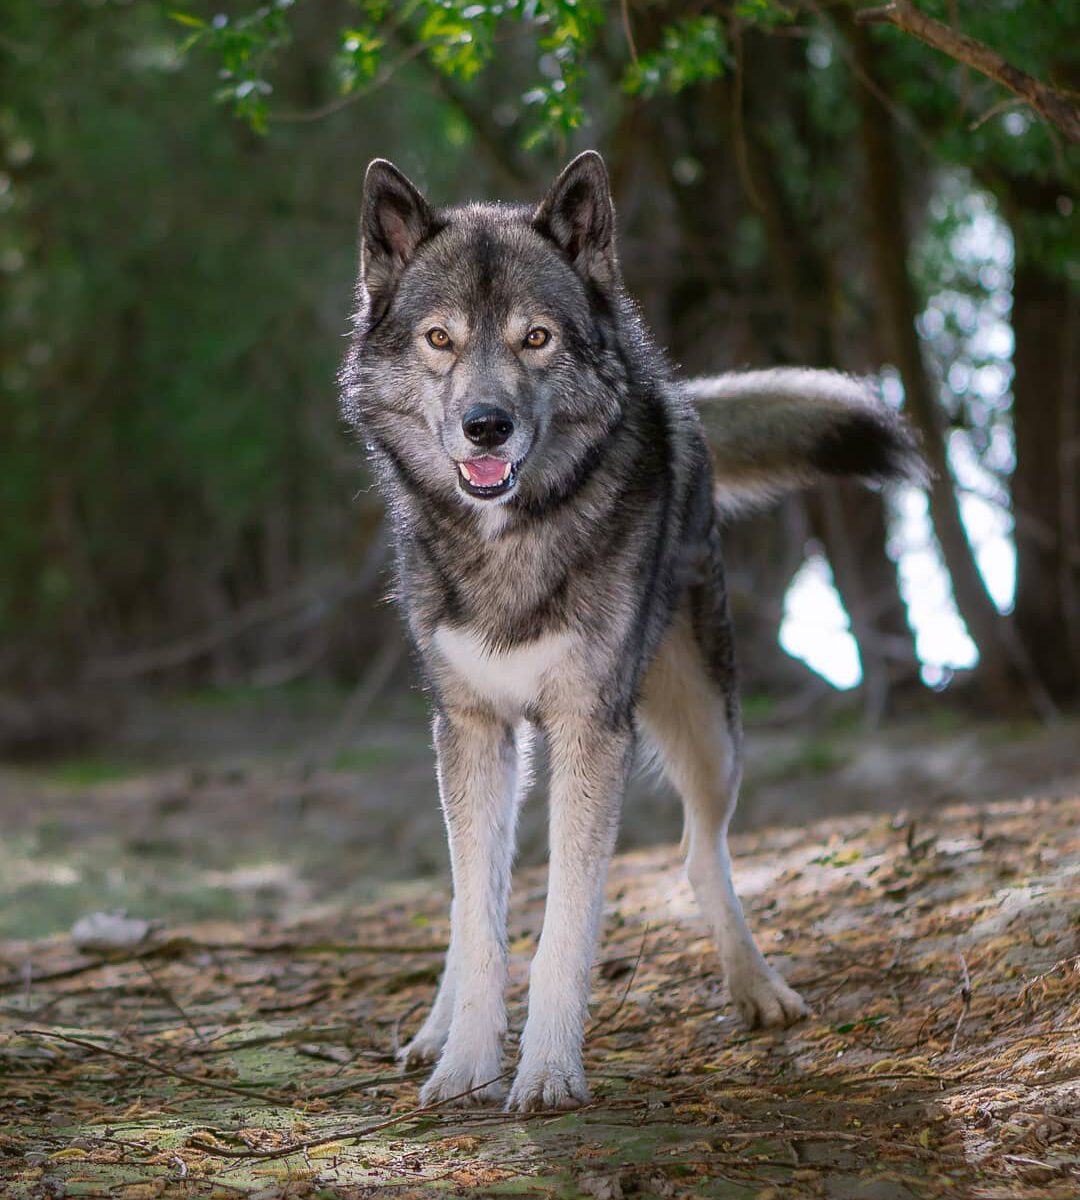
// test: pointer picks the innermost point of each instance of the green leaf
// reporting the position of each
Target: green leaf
(359, 58)
(691, 51)
(764, 12)
(188, 20)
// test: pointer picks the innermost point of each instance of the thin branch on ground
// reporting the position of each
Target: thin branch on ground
(965, 1001)
(151, 1065)
(350, 1085)
(600, 1022)
(395, 1029)
(177, 946)
(354, 1133)
(171, 1000)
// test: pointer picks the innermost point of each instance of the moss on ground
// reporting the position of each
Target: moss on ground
(255, 1057)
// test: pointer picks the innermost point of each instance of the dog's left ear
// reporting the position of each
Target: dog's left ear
(578, 215)
(394, 220)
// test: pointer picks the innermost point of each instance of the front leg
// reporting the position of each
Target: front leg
(590, 757)
(431, 1037)
(478, 786)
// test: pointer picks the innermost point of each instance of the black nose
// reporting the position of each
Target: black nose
(487, 426)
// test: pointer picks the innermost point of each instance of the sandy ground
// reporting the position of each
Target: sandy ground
(941, 957)
(266, 805)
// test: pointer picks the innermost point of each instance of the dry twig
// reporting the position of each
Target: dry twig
(628, 31)
(600, 1022)
(171, 1000)
(352, 1134)
(151, 1065)
(965, 1000)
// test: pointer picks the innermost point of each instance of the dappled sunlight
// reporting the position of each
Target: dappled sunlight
(965, 328)
(817, 629)
(235, 1055)
(245, 586)
(941, 640)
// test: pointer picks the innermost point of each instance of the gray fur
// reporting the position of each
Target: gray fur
(588, 599)
(788, 427)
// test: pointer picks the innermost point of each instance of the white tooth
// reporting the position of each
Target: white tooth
(464, 471)
(506, 473)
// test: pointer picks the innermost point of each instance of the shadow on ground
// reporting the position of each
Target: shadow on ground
(246, 805)
(255, 1057)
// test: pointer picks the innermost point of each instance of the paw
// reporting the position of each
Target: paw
(548, 1085)
(425, 1048)
(465, 1084)
(764, 1000)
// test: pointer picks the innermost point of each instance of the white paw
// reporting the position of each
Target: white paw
(764, 1000)
(423, 1049)
(548, 1085)
(464, 1083)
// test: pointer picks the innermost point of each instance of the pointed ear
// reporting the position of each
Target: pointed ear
(394, 220)
(577, 214)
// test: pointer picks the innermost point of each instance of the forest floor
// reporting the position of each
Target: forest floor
(247, 1046)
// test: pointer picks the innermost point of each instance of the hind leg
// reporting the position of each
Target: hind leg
(689, 709)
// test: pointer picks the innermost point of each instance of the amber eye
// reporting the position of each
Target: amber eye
(536, 337)
(439, 338)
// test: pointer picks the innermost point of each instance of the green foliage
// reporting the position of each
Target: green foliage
(568, 30)
(966, 120)
(154, 412)
(766, 13)
(175, 288)
(246, 47)
(691, 51)
(459, 37)
(460, 40)
(961, 112)
(358, 59)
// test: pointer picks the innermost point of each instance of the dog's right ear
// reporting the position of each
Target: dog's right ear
(394, 220)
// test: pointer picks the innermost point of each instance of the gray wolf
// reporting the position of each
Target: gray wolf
(557, 530)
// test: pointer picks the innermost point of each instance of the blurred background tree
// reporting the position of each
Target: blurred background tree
(794, 185)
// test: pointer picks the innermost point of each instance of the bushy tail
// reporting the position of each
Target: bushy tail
(772, 431)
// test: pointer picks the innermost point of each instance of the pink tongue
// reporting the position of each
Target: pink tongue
(486, 471)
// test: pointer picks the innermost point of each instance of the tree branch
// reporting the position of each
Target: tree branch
(1051, 104)
(499, 143)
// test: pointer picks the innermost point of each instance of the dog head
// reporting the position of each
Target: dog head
(487, 361)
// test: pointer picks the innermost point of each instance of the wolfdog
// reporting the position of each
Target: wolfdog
(557, 526)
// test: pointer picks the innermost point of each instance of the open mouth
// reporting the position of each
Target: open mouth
(486, 478)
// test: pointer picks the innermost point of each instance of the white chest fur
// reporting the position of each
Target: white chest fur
(509, 679)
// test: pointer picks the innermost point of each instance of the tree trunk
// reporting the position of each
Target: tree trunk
(1002, 659)
(705, 319)
(1046, 497)
(849, 521)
